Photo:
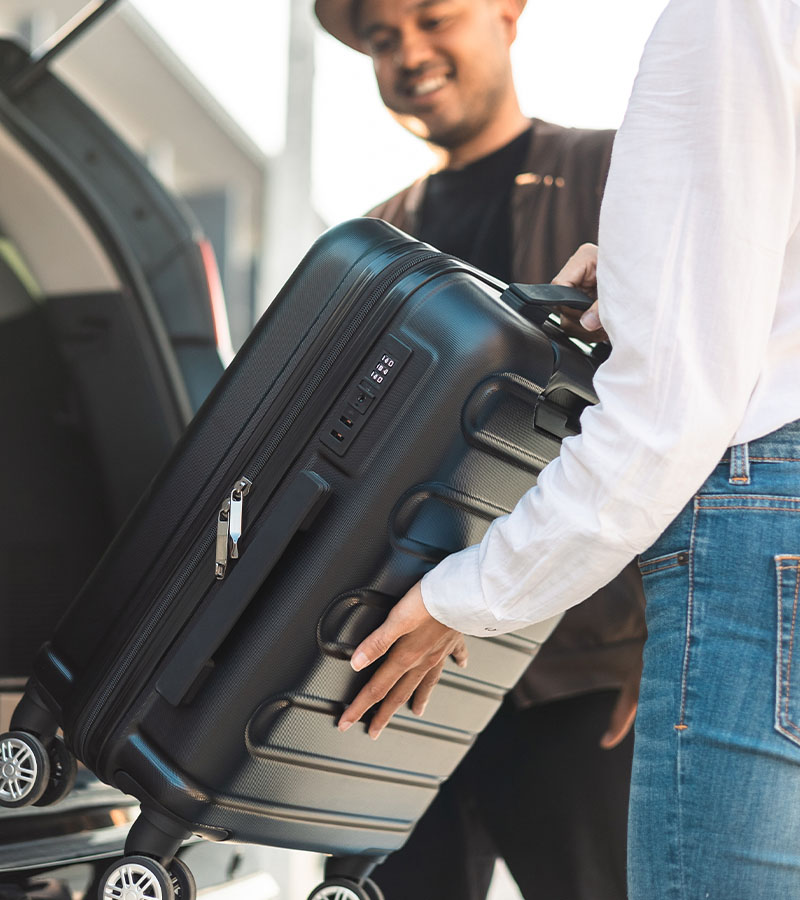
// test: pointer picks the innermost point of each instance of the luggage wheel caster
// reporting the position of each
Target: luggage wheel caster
(63, 771)
(24, 769)
(345, 889)
(183, 883)
(143, 878)
(375, 893)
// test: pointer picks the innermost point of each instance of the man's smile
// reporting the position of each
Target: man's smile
(427, 85)
(423, 85)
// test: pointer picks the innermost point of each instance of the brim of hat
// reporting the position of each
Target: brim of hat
(336, 18)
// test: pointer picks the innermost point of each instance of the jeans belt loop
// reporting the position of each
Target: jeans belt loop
(740, 465)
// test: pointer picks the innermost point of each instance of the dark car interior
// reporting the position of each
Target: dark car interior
(61, 517)
(107, 347)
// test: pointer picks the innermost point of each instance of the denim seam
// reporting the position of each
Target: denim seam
(757, 508)
(779, 677)
(682, 726)
(781, 569)
(787, 728)
(652, 571)
(702, 498)
(726, 459)
(679, 816)
(781, 503)
(705, 499)
(667, 561)
(665, 557)
(790, 654)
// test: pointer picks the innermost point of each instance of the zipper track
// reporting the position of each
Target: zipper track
(84, 729)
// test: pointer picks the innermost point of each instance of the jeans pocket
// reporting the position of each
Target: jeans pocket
(666, 579)
(787, 704)
(662, 563)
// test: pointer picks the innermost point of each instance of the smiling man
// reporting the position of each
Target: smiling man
(515, 197)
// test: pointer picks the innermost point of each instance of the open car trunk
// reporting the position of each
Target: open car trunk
(107, 345)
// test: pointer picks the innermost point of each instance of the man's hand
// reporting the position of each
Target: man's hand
(416, 648)
(580, 272)
(624, 712)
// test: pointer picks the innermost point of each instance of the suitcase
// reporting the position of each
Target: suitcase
(391, 402)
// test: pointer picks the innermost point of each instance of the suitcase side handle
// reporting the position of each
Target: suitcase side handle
(293, 511)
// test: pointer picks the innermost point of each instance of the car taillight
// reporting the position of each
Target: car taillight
(218, 309)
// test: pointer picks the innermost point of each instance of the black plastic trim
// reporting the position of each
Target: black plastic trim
(293, 509)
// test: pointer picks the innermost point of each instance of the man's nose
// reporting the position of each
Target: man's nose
(413, 50)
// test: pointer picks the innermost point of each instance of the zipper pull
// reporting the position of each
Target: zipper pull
(222, 539)
(240, 491)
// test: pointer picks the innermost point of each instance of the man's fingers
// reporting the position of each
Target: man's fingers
(580, 270)
(573, 324)
(621, 722)
(423, 692)
(624, 712)
(590, 320)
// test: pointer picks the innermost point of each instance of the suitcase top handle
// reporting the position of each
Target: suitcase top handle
(537, 301)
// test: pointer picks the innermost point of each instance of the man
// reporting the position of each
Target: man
(514, 197)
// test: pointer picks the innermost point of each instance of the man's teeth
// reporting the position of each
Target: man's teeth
(428, 86)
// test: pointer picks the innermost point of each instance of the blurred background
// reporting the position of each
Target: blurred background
(271, 131)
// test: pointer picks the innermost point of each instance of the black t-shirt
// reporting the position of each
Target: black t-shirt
(467, 212)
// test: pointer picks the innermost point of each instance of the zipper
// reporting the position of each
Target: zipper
(222, 525)
(229, 526)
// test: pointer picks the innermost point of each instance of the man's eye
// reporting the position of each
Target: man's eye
(380, 46)
(435, 22)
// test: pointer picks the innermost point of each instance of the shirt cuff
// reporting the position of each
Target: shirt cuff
(452, 595)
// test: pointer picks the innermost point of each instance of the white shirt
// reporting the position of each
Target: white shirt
(699, 286)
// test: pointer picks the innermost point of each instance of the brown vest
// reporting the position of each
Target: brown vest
(555, 207)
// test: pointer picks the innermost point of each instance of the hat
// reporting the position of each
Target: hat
(336, 17)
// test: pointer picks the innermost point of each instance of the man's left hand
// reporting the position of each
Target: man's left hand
(416, 647)
(624, 712)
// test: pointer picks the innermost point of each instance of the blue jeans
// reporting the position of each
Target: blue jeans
(715, 791)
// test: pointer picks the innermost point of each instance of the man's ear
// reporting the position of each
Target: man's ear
(509, 12)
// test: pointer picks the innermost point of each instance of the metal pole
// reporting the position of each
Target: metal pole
(56, 44)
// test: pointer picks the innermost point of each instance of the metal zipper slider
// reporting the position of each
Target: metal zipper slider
(222, 539)
(238, 494)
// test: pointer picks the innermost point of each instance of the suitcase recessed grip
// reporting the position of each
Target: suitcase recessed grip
(293, 510)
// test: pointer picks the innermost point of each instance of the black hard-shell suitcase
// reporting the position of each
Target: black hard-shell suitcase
(387, 407)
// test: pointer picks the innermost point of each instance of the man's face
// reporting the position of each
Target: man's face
(442, 66)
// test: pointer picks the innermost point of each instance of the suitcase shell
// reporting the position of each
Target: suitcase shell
(387, 407)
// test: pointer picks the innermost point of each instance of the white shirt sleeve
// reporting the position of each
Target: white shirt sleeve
(694, 226)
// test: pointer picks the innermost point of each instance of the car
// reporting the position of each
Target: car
(112, 332)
